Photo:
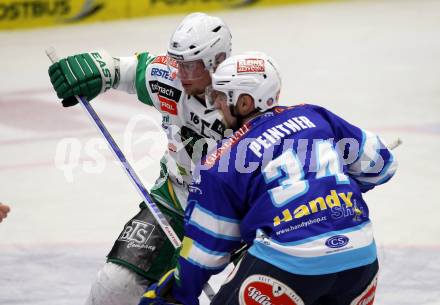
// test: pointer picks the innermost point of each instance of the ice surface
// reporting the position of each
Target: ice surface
(375, 63)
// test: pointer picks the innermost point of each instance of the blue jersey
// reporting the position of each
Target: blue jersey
(290, 184)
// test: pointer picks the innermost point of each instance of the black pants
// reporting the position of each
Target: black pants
(257, 282)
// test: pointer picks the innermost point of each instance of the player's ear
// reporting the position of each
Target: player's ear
(245, 104)
(219, 58)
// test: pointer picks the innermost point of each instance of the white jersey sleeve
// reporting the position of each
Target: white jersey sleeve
(135, 75)
(127, 74)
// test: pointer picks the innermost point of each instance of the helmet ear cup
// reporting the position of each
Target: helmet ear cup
(200, 36)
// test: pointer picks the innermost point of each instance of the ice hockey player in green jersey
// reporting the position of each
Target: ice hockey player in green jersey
(175, 84)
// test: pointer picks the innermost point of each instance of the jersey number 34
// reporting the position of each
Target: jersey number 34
(293, 185)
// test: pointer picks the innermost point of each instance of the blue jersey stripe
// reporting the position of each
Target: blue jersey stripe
(216, 216)
(316, 265)
(204, 266)
(212, 233)
(209, 251)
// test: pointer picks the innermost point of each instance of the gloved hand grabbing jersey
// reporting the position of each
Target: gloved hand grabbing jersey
(160, 293)
(86, 74)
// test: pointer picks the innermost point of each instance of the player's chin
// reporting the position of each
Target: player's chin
(190, 89)
(187, 86)
(187, 89)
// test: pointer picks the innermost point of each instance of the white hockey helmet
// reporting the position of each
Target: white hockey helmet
(252, 73)
(200, 37)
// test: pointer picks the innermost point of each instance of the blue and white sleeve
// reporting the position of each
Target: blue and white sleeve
(212, 232)
(374, 163)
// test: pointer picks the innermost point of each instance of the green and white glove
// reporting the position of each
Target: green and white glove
(87, 74)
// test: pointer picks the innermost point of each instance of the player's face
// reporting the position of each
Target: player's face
(194, 76)
(219, 101)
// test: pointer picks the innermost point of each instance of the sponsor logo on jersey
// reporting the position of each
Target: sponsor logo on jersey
(168, 96)
(165, 90)
(226, 145)
(168, 106)
(165, 60)
(137, 234)
(340, 203)
(263, 290)
(165, 74)
(250, 65)
(337, 241)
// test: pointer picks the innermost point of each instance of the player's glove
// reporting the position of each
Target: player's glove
(160, 293)
(86, 74)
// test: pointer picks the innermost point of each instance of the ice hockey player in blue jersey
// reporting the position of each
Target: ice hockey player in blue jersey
(289, 183)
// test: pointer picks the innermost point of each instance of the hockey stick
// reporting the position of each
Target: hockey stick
(117, 152)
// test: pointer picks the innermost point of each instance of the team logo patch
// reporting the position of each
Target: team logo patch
(367, 297)
(263, 290)
(250, 65)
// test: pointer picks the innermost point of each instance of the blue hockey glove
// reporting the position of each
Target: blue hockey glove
(160, 293)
